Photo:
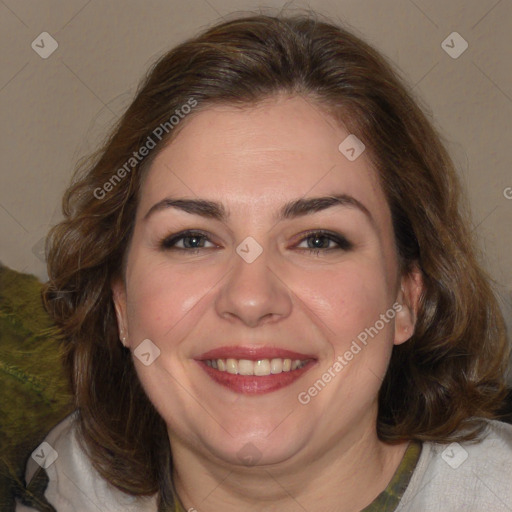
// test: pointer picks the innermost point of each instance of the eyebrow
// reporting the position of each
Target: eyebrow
(293, 209)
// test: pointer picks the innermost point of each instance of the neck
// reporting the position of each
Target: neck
(347, 476)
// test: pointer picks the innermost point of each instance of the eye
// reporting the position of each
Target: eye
(317, 241)
(190, 241)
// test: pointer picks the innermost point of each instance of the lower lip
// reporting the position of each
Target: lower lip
(252, 385)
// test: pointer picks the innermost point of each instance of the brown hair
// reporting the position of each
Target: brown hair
(451, 370)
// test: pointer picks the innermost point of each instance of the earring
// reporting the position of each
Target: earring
(123, 340)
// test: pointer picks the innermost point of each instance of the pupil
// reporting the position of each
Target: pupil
(194, 240)
(318, 239)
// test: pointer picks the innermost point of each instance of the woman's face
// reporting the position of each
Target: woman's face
(267, 276)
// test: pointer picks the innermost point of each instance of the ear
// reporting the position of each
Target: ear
(411, 288)
(119, 298)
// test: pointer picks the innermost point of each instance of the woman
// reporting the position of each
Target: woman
(269, 294)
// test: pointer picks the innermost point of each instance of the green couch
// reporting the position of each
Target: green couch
(35, 394)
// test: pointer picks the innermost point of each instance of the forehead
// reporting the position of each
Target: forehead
(260, 157)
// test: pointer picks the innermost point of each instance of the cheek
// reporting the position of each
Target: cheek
(347, 299)
(162, 296)
(349, 302)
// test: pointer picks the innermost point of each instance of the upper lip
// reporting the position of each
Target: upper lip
(252, 353)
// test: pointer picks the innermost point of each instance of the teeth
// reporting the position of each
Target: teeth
(260, 367)
(231, 366)
(245, 367)
(276, 366)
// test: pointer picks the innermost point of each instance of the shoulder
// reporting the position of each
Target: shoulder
(72, 482)
(473, 475)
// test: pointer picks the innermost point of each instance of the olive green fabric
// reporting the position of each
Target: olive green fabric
(34, 391)
(390, 497)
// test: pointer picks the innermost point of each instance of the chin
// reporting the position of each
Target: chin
(250, 448)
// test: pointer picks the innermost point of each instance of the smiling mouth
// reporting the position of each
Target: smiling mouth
(260, 367)
(254, 371)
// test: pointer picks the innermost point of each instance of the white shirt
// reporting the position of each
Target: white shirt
(74, 485)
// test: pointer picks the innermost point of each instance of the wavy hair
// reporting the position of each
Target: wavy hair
(451, 370)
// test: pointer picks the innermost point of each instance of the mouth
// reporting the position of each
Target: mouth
(254, 370)
(260, 367)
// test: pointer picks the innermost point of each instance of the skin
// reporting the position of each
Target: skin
(321, 456)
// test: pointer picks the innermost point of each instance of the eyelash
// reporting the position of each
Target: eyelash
(169, 243)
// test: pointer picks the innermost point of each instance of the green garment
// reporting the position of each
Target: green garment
(390, 497)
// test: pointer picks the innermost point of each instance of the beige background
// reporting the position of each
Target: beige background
(56, 110)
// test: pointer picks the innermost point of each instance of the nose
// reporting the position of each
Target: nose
(253, 293)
